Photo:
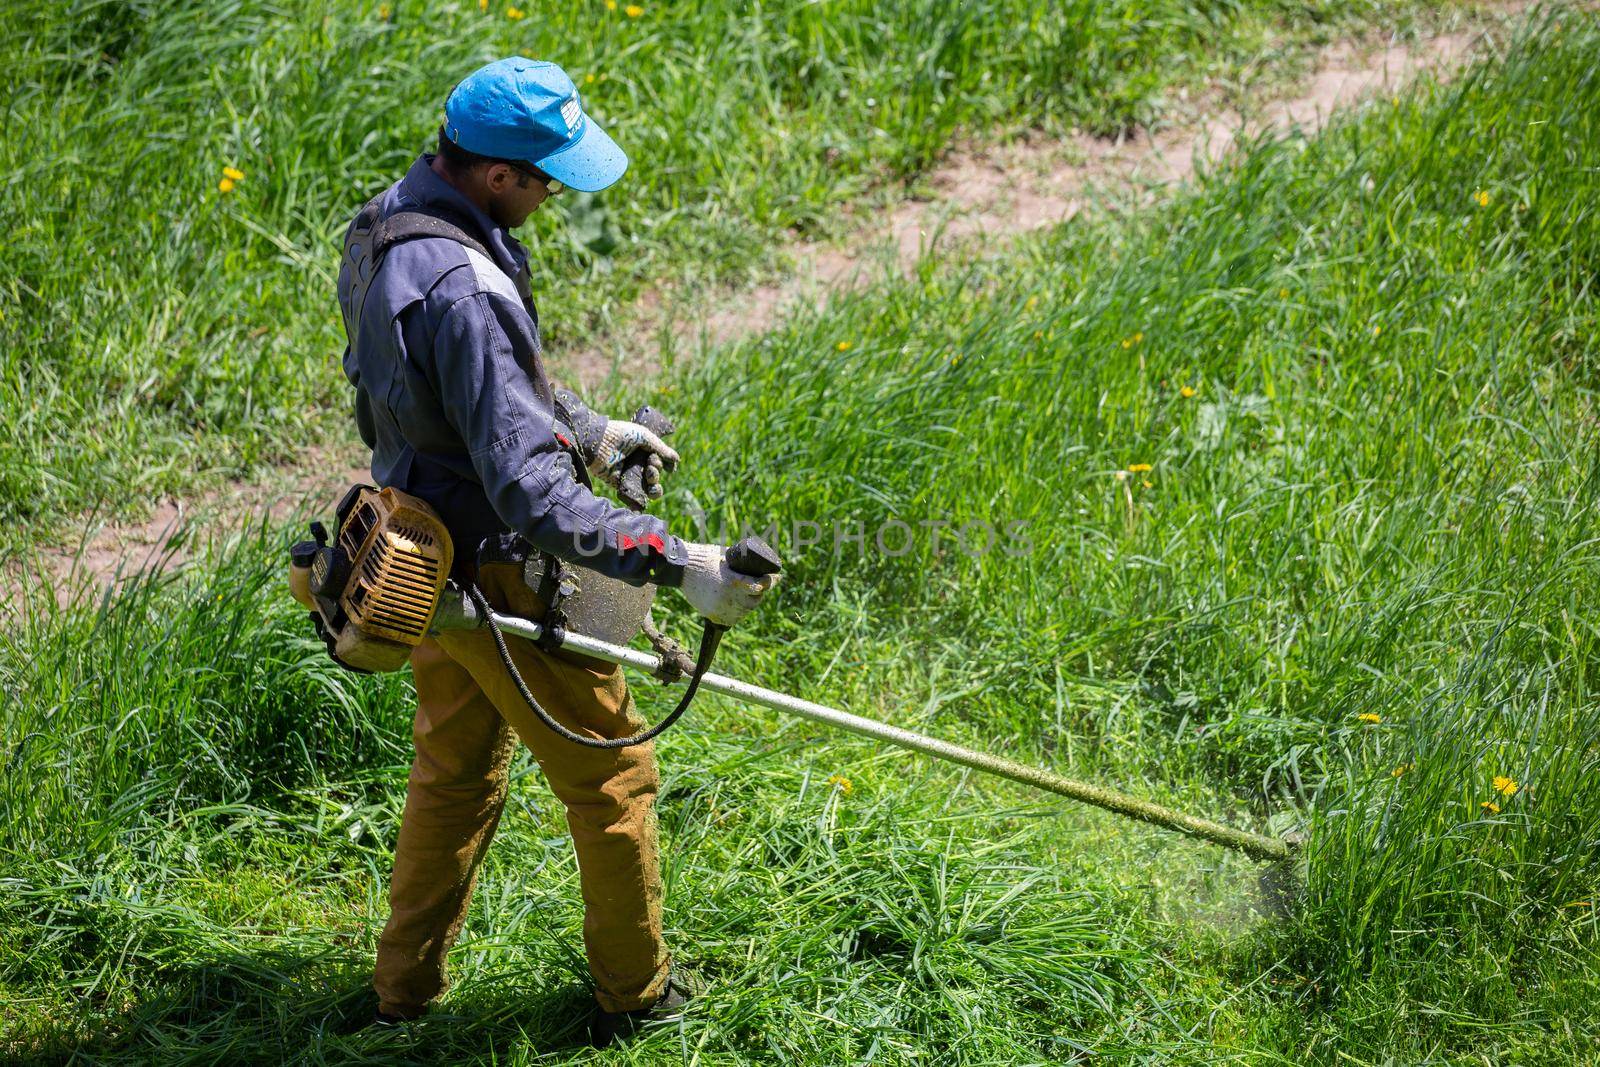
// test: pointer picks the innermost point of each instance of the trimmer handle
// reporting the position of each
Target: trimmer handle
(630, 484)
(753, 558)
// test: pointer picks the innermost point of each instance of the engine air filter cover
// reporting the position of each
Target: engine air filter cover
(376, 588)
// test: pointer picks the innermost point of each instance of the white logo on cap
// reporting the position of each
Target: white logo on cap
(572, 114)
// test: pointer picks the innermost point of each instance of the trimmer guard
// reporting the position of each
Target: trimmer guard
(602, 607)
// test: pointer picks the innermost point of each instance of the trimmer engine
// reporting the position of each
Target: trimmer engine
(373, 591)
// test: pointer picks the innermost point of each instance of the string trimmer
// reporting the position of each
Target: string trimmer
(382, 585)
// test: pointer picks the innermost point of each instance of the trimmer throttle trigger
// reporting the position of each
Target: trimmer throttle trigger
(631, 485)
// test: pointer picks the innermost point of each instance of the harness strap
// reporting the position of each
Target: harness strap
(421, 222)
(370, 239)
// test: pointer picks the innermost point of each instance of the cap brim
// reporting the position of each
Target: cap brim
(589, 164)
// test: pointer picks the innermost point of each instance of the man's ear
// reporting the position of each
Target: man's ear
(498, 177)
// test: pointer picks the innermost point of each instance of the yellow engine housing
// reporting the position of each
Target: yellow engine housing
(377, 586)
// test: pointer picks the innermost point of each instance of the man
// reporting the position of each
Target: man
(451, 395)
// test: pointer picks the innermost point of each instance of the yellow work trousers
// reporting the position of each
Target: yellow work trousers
(469, 718)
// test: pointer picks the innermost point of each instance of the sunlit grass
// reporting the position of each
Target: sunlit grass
(1368, 544)
(180, 175)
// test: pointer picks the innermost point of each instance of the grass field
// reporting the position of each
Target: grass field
(160, 335)
(1308, 463)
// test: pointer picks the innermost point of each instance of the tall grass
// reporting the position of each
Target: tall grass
(157, 333)
(1357, 579)
(1361, 369)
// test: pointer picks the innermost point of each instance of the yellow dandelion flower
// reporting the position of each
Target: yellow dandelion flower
(1376, 330)
(225, 185)
(1283, 294)
(843, 346)
(1489, 805)
(1367, 716)
(1148, 485)
(588, 79)
(1505, 786)
(1187, 391)
(384, 12)
(1138, 468)
(1127, 342)
(233, 172)
(1482, 197)
(841, 781)
(1138, 337)
(1404, 768)
(515, 13)
(611, 5)
(483, 5)
(633, 11)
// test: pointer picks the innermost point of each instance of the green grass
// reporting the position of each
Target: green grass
(1380, 500)
(161, 336)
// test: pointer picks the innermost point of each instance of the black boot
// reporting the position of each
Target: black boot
(608, 1026)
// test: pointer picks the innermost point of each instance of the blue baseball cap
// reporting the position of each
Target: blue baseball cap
(525, 110)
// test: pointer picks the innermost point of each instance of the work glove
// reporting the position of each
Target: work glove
(621, 440)
(716, 590)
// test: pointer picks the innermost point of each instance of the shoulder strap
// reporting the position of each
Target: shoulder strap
(421, 222)
(369, 239)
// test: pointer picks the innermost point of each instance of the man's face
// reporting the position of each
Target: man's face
(514, 194)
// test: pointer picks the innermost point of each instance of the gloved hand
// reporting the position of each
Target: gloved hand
(716, 590)
(622, 439)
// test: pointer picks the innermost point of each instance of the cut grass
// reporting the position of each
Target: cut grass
(1379, 501)
(159, 335)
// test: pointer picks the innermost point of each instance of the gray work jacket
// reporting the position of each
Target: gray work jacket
(456, 407)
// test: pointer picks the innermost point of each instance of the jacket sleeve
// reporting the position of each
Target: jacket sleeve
(506, 417)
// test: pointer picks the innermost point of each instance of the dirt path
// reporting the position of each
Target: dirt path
(992, 195)
(1007, 192)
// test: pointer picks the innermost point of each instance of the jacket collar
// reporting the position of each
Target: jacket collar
(422, 187)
